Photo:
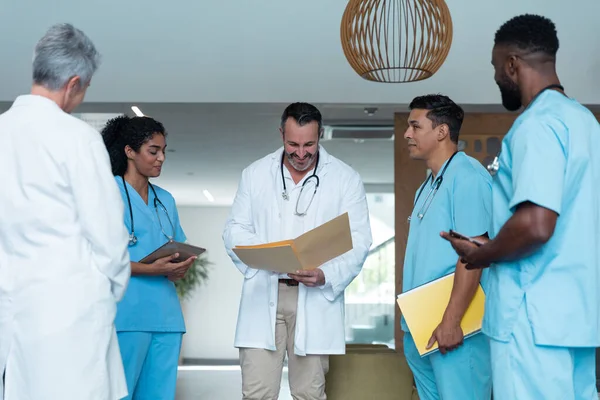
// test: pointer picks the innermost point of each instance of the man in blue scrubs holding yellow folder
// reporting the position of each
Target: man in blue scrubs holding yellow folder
(542, 310)
(456, 195)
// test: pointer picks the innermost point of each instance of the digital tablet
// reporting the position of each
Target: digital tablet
(185, 251)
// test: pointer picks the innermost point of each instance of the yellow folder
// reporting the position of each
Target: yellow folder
(423, 309)
(308, 251)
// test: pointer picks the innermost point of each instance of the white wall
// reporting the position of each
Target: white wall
(211, 313)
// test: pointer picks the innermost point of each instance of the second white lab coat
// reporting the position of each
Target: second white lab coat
(64, 262)
(255, 218)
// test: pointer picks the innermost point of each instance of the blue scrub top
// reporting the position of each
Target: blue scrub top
(550, 157)
(462, 203)
(150, 303)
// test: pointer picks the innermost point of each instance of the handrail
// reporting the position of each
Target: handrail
(380, 246)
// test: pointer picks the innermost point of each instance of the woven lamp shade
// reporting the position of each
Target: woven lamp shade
(396, 40)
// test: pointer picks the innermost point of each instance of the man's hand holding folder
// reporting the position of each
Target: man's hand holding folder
(448, 335)
(311, 278)
(425, 310)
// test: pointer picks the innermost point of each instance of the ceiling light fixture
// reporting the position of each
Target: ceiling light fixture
(208, 196)
(396, 40)
(137, 111)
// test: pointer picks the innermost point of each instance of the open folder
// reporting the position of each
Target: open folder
(185, 251)
(423, 309)
(308, 251)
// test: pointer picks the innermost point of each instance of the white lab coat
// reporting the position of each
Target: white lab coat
(63, 257)
(255, 218)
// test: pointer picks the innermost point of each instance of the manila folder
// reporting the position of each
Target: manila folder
(423, 309)
(308, 251)
(277, 256)
(324, 243)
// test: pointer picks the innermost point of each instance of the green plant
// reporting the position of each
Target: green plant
(195, 276)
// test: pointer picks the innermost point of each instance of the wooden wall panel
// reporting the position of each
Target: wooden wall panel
(487, 123)
(481, 147)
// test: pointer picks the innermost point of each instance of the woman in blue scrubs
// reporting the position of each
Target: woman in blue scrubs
(149, 320)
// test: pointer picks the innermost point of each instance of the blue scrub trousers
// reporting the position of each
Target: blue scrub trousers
(524, 370)
(150, 360)
(461, 374)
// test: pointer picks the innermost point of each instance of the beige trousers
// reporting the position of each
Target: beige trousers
(262, 369)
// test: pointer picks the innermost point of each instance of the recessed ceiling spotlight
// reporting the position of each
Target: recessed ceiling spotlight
(137, 111)
(208, 196)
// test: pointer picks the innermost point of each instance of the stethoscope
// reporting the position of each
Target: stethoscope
(494, 166)
(132, 238)
(284, 194)
(434, 188)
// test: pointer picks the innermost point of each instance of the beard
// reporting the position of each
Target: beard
(295, 161)
(510, 93)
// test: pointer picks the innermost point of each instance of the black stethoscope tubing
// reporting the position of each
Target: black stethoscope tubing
(132, 237)
(314, 175)
(438, 181)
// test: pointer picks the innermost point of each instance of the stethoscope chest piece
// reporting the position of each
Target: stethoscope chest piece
(494, 166)
(132, 240)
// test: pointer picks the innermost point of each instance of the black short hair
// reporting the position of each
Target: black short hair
(442, 110)
(125, 131)
(532, 33)
(302, 113)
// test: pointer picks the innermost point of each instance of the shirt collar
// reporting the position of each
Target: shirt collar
(33, 99)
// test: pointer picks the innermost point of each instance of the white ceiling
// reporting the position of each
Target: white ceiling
(219, 73)
(275, 51)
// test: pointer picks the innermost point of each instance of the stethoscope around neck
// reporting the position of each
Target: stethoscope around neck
(132, 237)
(314, 176)
(434, 188)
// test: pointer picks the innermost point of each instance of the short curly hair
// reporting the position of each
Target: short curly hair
(442, 110)
(529, 32)
(125, 131)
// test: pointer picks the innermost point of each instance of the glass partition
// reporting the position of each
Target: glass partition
(370, 298)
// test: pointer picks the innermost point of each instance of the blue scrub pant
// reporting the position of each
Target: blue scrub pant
(524, 370)
(150, 360)
(461, 374)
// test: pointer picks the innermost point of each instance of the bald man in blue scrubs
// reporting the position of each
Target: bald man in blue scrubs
(456, 195)
(542, 310)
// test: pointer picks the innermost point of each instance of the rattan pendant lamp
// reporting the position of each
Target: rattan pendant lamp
(396, 41)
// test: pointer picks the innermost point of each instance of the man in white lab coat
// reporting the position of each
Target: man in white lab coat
(63, 245)
(299, 314)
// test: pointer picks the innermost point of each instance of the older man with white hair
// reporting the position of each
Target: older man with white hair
(64, 262)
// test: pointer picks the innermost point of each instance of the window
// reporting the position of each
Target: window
(370, 298)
